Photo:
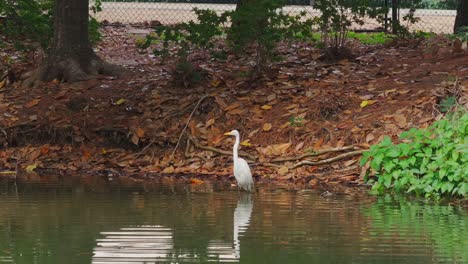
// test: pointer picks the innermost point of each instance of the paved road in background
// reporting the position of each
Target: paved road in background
(439, 21)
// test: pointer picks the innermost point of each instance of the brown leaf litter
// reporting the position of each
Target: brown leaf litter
(304, 122)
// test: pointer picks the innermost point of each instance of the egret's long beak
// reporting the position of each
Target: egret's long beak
(228, 134)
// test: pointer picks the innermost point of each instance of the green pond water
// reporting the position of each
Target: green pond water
(97, 221)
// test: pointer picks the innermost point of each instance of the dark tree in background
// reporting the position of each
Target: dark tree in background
(462, 15)
(71, 57)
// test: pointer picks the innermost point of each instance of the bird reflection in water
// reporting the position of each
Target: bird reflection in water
(225, 252)
(153, 243)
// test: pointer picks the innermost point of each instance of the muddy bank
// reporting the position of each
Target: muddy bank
(304, 122)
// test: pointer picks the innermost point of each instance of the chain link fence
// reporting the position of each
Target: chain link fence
(433, 15)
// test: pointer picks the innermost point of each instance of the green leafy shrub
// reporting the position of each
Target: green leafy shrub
(431, 161)
(462, 34)
(93, 25)
(402, 28)
(27, 19)
(430, 4)
(261, 24)
(447, 104)
(32, 19)
(187, 36)
(94, 34)
(258, 25)
(337, 17)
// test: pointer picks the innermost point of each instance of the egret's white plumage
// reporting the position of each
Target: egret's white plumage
(241, 167)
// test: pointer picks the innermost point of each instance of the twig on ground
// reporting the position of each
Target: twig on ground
(7, 172)
(313, 154)
(187, 149)
(326, 161)
(251, 158)
(187, 123)
(267, 164)
(145, 148)
(187, 154)
(3, 132)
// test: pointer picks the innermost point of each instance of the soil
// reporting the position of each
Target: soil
(303, 123)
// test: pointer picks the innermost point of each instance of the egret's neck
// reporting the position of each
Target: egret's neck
(235, 149)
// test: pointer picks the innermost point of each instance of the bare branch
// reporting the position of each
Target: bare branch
(314, 154)
(186, 124)
(326, 161)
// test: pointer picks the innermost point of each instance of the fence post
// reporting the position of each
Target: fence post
(386, 16)
(395, 16)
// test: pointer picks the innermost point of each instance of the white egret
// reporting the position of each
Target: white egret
(241, 167)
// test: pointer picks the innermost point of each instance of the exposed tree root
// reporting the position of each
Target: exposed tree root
(251, 158)
(70, 70)
(7, 172)
(326, 161)
(314, 154)
(187, 153)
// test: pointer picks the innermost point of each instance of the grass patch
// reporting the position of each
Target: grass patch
(371, 38)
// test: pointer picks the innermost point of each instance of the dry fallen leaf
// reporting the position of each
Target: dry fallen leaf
(120, 101)
(169, 169)
(280, 149)
(196, 181)
(283, 170)
(210, 122)
(387, 92)
(209, 165)
(61, 95)
(266, 107)
(277, 149)
(364, 170)
(86, 154)
(350, 162)
(400, 120)
(32, 103)
(135, 139)
(237, 111)
(366, 103)
(220, 102)
(215, 82)
(426, 119)
(370, 137)
(366, 97)
(232, 107)
(318, 143)
(299, 146)
(30, 168)
(251, 134)
(140, 132)
(45, 149)
(404, 91)
(246, 143)
(267, 127)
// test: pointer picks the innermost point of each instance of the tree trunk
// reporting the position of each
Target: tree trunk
(462, 15)
(71, 57)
